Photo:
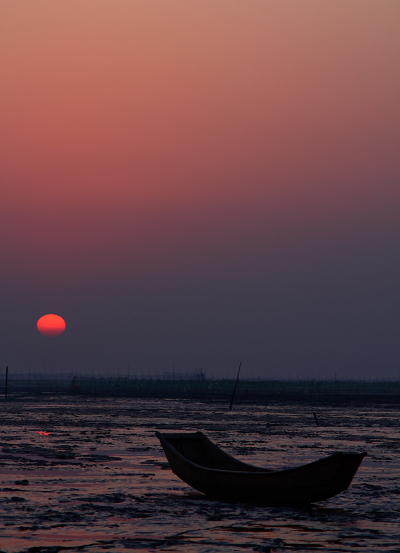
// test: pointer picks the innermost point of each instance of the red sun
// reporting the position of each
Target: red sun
(51, 325)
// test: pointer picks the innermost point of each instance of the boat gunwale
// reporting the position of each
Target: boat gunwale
(260, 470)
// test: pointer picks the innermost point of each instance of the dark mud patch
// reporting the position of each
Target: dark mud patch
(66, 452)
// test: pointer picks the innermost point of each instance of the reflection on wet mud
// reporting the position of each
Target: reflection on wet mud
(89, 475)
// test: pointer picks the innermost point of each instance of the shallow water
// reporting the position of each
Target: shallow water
(89, 475)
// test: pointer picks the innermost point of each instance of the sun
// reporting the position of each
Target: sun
(51, 325)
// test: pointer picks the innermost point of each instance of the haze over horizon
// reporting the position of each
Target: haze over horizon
(195, 184)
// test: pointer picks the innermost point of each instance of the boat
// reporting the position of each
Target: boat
(205, 467)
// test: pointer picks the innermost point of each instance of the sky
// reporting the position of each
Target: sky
(194, 184)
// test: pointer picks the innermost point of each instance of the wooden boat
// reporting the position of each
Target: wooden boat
(208, 469)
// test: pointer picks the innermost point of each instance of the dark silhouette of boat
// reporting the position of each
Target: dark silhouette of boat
(208, 469)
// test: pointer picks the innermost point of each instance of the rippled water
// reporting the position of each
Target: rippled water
(89, 475)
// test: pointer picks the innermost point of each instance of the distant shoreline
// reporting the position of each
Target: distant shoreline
(303, 390)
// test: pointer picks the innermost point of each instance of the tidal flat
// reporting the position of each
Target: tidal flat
(88, 474)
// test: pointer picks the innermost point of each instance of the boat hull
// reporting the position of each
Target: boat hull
(227, 477)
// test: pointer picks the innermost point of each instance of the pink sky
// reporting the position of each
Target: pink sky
(144, 139)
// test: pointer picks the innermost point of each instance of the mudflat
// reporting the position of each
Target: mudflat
(88, 474)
